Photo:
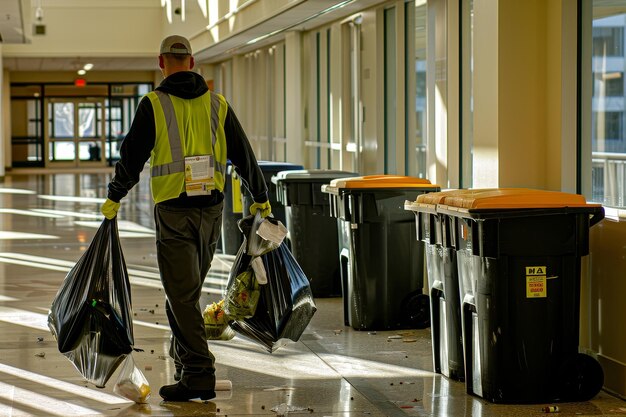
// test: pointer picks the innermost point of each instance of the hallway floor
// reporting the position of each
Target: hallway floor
(46, 222)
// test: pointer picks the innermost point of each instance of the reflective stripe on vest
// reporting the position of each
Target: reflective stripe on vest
(168, 176)
(173, 135)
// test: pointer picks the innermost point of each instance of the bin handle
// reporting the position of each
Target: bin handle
(596, 217)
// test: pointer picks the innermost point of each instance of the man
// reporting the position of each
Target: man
(188, 133)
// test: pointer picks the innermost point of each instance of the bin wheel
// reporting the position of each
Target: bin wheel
(582, 378)
(417, 310)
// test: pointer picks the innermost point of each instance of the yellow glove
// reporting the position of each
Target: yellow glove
(110, 208)
(264, 208)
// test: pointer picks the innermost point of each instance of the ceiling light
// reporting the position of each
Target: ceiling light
(81, 72)
(87, 67)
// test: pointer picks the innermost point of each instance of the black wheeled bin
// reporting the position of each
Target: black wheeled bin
(312, 231)
(231, 237)
(382, 262)
(270, 169)
(519, 257)
(433, 229)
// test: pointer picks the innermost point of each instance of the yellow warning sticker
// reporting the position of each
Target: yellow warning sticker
(535, 270)
(536, 282)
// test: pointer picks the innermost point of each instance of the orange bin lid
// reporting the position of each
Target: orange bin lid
(381, 181)
(511, 198)
(426, 202)
(430, 201)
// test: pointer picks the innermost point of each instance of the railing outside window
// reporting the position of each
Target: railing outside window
(609, 178)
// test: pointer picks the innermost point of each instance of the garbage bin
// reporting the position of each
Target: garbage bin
(270, 169)
(231, 237)
(312, 231)
(382, 262)
(433, 229)
(519, 254)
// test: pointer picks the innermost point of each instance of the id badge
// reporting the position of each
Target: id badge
(199, 175)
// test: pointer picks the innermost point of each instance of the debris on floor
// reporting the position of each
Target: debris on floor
(408, 405)
(404, 383)
(551, 409)
(41, 354)
(284, 408)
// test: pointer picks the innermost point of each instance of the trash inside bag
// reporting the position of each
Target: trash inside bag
(261, 235)
(242, 289)
(285, 305)
(215, 322)
(242, 296)
(91, 315)
(131, 382)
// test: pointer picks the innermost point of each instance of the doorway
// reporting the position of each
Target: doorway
(75, 132)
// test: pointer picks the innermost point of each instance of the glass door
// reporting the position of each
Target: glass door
(75, 135)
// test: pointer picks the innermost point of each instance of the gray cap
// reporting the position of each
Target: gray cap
(175, 44)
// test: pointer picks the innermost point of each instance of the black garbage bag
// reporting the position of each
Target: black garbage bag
(91, 314)
(285, 305)
(243, 287)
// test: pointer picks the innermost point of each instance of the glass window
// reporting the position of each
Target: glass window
(26, 132)
(604, 102)
(415, 105)
(62, 151)
(328, 102)
(71, 113)
(119, 113)
(353, 64)
(62, 120)
(390, 91)
(467, 92)
(89, 120)
(318, 102)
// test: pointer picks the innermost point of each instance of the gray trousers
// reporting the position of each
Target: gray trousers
(186, 239)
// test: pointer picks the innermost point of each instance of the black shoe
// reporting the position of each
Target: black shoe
(178, 392)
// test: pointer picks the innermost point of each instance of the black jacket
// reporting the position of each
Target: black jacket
(139, 141)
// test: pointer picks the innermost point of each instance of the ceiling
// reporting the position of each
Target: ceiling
(11, 22)
(302, 15)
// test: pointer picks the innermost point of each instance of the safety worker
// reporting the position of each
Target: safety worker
(188, 133)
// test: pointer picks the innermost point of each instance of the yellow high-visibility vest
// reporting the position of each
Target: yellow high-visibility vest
(182, 130)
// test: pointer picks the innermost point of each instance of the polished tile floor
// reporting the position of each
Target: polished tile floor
(46, 222)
